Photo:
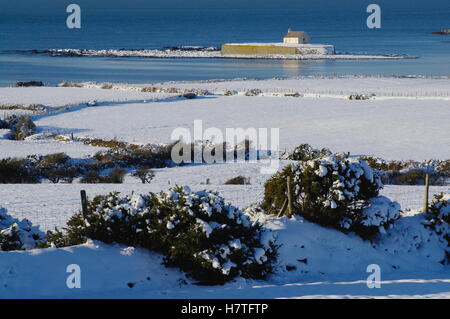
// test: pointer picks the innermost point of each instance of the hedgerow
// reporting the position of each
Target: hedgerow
(195, 231)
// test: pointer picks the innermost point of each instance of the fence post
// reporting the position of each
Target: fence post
(283, 208)
(427, 189)
(84, 205)
(289, 197)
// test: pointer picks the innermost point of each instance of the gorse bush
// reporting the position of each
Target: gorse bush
(17, 171)
(306, 152)
(238, 180)
(116, 176)
(411, 172)
(195, 231)
(17, 234)
(439, 219)
(23, 128)
(333, 191)
(56, 168)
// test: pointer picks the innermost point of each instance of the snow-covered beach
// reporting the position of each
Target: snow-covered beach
(397, 119)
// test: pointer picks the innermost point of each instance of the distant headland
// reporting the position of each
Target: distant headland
(444, 32)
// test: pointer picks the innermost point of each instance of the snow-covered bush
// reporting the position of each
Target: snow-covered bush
(253, 92)
(333, 191)
(17, 234)
(22, 128)
(378, 213)
(196, 231)
(439, 218)
(306, 152)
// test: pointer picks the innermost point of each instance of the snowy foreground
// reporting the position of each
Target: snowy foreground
(402, 119)
(322, 263)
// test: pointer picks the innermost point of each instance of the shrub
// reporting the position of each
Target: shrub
(144, 174)
(56, 167)
(60, 174)
(134, 155)
(4, 125)
(104, 143)
(53, 160)
(24, 128)
(91, 177)
(17, 171)
(238, 180)
(439, 218)
(333, 191)
(359, 97)
(410, 177)
(443, 168)
(253, 92)
(197, 232)
(70, 85)
(306, 152)
(230, 93)
(17, 234)
(116, 176)
(386, 166)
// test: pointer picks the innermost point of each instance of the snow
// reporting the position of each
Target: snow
(343, 86)
(10, 148)
(23, 274)
(398, 128)
(62, 96)
(328, 264)
(406, 119)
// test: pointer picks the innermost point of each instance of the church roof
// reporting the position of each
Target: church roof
(295, 34)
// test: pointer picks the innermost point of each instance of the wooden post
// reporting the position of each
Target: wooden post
(427, 189)
(84, 205)
(283, 208)
(289, 196)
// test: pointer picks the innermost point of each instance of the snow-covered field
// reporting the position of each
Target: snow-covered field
(392, 129)
(406, 119)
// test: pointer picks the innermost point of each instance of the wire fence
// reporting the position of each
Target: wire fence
(54, 207)
(379, 92)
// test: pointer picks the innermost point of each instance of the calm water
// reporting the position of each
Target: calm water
(137, 24)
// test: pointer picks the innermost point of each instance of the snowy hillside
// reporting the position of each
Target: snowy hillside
(389, 118)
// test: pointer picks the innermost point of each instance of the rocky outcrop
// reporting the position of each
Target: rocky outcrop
(445, 32)
(29, 83)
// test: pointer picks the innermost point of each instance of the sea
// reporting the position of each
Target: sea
(406, 29)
